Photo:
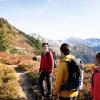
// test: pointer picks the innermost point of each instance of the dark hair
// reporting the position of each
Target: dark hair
(45, 44)
(65, 49)
(98, 56)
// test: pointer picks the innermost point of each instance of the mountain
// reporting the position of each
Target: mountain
(18, 41)
(84, 48)
(38, 37)
(84, 52)
(92, 42)
(80, 49)
(73, 40)
(53, 44)
(96, 49)
(21, 43)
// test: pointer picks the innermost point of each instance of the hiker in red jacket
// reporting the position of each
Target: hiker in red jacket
(46, 69)
(95, 84)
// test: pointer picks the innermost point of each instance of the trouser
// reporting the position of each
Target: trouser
(45, 76)
(70, 98)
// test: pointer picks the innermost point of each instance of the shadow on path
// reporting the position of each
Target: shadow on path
(22, 78)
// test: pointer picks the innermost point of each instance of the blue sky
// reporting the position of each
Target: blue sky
(54, 19)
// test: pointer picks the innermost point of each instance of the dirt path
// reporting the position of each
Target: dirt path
(22, 78)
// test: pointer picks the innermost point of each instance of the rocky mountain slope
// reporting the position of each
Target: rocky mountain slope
(84, 48)
(18, 41)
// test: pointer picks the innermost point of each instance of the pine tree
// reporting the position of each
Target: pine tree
(38, 47)
(3, 42)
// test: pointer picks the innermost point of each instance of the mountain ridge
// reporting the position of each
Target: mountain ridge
(31, 43)
(19, 41)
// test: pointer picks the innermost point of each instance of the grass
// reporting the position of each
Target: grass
(9, 85)
(29, 65)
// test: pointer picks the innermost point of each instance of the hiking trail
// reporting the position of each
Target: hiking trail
(22, 78)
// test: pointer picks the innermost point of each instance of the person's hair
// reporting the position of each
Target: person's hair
(98, 56)
(45, 44)
(65, 49)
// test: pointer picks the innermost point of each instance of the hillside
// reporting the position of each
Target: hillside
(18, 41)
(84, 52)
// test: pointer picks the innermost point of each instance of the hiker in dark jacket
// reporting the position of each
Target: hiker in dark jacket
(95, 84)
(46, 69)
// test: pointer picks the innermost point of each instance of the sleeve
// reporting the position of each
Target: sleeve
(40, 64)
(51, 61)
(91, 90)
(59, 78)
(92, 82)
(96, 87)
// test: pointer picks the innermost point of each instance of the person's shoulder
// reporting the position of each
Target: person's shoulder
(70, 56)
(49, 53)
(63, 64)
(42, 54)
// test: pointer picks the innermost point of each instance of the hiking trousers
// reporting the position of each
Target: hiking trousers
(45, 76)
(70, 98)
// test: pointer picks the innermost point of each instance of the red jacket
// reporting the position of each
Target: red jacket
(47, 63)
(95, 87)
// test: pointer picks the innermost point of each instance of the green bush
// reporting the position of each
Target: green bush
(3, 42)
(35, 43)
(13, 51)
(1, 25)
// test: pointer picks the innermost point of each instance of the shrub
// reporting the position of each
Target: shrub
(9, 85)
(29, 65)
(3, 42)
(33, 78)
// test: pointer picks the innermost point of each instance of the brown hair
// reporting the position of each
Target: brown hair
(65, 49)
(45, 44)
(98, 56)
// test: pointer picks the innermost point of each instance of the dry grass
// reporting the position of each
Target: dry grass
(10, 59)
(9, 85)
(29, 65)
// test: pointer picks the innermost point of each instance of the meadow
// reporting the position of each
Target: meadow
(10, 88)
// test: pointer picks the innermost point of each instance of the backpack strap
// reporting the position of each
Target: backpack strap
(70, 64)
(48, 53)
(73, 81)
(92, 81)
(68, 85)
